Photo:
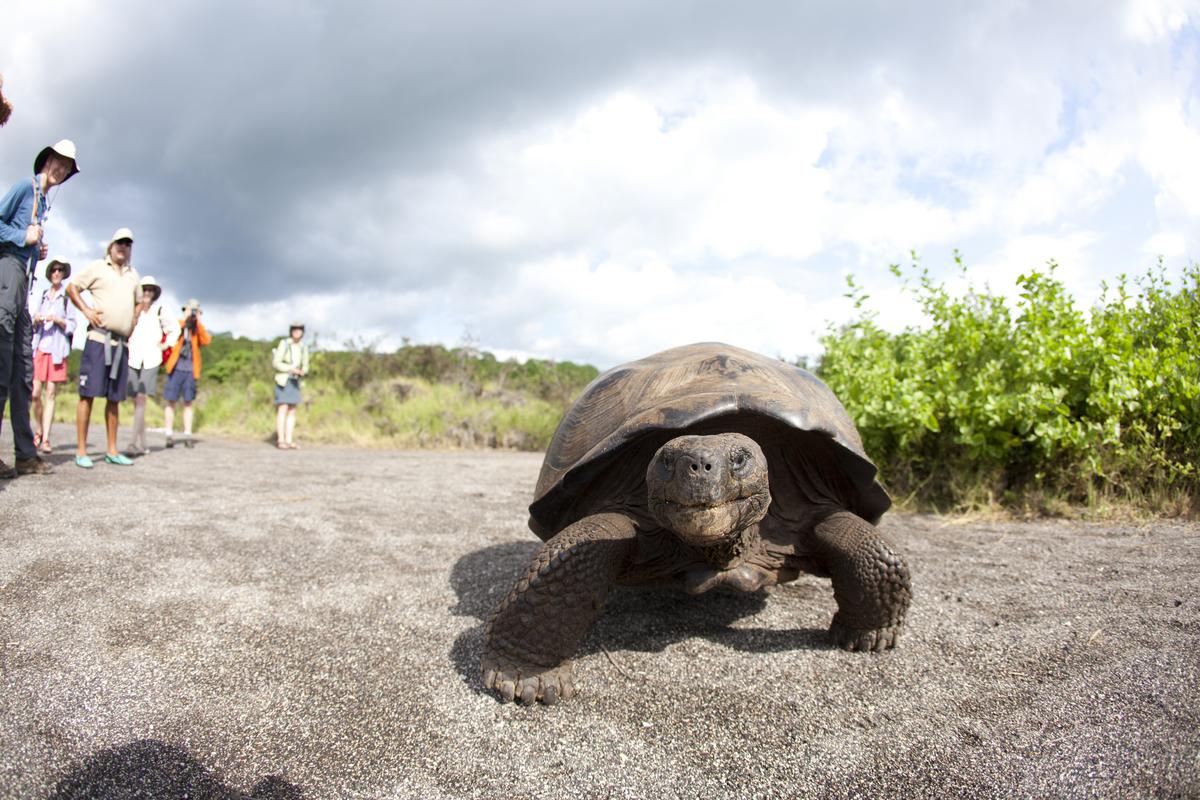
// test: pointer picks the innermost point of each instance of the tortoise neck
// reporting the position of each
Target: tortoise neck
(733, 550)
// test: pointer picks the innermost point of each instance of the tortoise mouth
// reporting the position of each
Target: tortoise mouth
(707, 522)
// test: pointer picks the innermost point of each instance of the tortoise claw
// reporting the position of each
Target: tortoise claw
(528, 684)
(865, 640)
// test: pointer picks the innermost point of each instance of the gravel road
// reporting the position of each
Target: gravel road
(234, 621)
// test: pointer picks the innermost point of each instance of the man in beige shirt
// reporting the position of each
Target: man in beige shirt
(104, 367)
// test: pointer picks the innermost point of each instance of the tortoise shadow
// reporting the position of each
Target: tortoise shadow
(637, 619)
(152, 768)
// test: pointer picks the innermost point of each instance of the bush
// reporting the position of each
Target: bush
(1040, 402)
(418, 396)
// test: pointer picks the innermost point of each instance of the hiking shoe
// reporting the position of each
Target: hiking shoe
(170, 441)
(83, 461)
(188, 443)
(7, 472)
(119, 459)
(33, 466)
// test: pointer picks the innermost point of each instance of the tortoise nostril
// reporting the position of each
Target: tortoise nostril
(708, 467)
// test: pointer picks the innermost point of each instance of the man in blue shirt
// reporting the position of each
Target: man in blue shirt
(22, 214)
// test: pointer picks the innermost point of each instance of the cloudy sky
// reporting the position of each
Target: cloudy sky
(598, 181)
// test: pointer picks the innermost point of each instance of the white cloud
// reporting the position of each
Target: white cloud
(1150, 21)
(648, 181)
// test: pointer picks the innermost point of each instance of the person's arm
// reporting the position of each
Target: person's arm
(170, 327)
(202, 334)
(277, 357)
(16, 214)
(93, 316)
(68, 320)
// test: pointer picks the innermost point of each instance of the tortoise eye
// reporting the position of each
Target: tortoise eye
(739, 459)
(665, 465)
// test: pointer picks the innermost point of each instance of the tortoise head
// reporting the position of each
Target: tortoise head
(708, 489)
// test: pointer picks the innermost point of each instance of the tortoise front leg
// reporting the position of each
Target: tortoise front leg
(870, 582)
(537, 627)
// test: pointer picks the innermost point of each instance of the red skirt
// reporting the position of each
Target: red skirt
(46, 371)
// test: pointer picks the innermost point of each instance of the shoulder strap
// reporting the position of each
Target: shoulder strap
(37, 198)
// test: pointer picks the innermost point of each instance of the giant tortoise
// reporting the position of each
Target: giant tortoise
(703, 466)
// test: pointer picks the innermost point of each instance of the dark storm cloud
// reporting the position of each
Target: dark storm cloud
(270, 150)
(228, 134)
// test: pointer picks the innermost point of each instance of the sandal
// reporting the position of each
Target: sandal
(37, 440)
(45, 447)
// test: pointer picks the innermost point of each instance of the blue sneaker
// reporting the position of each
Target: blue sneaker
(119, 459)
(83, 461)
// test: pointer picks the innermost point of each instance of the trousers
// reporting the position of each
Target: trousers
(16, 353)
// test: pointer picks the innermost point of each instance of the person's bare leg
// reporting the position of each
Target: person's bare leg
(112, 418)
(139, 422)
(187, 419)
(48, 412)
(36, 406)
(280, 425)
(169, 418)
(291, 423)
(83, 415)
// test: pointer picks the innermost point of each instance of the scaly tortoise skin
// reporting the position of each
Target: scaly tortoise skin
(698, 467)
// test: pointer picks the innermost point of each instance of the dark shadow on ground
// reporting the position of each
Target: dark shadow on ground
(152, 769)
(634, 619)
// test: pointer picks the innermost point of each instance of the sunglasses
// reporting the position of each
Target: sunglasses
(56, 269)
(126, 242)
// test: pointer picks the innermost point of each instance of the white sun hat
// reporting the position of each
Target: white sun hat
(65, 148)
(120, 233)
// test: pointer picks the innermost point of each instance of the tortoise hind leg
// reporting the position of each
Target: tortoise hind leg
(870, 582)
(537, 627)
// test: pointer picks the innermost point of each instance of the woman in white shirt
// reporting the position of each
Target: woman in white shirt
(154, 332)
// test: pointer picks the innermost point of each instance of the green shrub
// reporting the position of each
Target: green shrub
(1042, 401)
(424, 396)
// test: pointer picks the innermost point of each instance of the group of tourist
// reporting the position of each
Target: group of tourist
(128, 339)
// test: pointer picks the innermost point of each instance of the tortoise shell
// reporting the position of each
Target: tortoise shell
(708, 387)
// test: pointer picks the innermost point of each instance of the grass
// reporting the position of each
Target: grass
(424, 397)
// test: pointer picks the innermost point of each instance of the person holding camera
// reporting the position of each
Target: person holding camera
(183, 370)
(291, 361)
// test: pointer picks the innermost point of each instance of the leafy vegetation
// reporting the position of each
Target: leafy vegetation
(1031, 406)
(424, 396)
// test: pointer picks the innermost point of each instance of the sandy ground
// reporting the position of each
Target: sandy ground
(235, 621)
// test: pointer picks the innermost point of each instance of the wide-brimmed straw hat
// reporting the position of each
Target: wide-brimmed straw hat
(148, 282)
(65, 148)
(191, 305)
(66, 265)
